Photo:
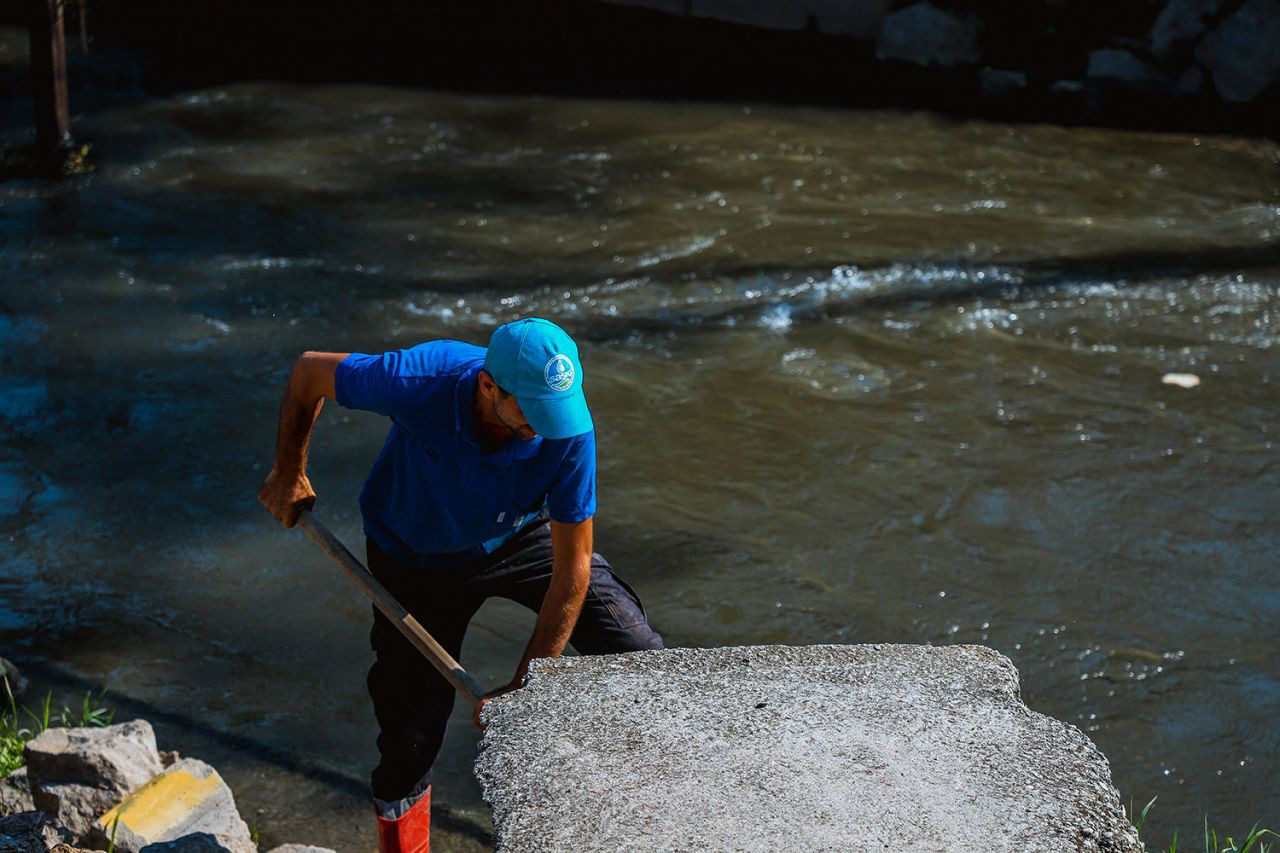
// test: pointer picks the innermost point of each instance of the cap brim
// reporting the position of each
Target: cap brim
(562, 416)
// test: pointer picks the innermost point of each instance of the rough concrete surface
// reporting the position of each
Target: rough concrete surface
(873, 748)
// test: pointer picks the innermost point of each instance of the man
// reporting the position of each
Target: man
(485, 486)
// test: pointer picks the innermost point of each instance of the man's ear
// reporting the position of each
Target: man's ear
(485, 385)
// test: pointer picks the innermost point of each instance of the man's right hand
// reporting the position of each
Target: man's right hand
(286, 495)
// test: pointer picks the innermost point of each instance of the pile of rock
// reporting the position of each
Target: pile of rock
(1227, 50)
(99, 787)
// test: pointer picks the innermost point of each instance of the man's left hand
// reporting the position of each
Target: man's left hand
(492, 694)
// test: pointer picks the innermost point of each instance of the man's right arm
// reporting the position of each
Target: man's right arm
(287, 490)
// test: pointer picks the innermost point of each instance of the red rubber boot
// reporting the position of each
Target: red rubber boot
(409, 833)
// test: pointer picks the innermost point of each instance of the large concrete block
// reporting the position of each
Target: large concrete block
(78, 773)
(186, 808)
(780, 748)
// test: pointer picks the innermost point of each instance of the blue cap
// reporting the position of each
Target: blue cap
(537, 361)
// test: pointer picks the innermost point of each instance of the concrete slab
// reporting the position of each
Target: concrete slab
(791, 748)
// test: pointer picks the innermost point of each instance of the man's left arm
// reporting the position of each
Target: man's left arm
(571, 547)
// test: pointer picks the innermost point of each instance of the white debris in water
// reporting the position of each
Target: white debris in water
(1182, 380)
(776, 318)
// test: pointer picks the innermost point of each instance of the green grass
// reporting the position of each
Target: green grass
(1253, 842)
(14, 734)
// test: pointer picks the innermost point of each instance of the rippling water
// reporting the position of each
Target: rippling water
(858, 377)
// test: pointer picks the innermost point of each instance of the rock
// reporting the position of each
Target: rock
(35, 832)
(926, 35)
(779, 748)
(1115, 64)
(1179, 22)
(1191, 82)
(15, 793)
(197, 842)
(78, 773)
(299, 848)
(997, 82)
(188, 805)
(1243, 54)
(1182, 380)
(1067, 87)
(17, 684)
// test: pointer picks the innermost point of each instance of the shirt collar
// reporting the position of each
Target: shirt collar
(464, 411)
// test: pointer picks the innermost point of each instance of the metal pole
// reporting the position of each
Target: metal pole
(392, 609)
(49, 81)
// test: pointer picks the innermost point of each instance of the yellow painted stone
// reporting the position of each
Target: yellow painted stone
(162, 804)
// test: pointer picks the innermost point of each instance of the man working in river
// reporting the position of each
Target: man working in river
(485, 486)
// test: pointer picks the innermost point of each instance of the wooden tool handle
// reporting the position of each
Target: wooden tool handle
(392, 609)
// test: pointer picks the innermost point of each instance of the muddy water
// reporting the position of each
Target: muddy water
(857, 378)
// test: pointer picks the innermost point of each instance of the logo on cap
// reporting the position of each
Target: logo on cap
(559, 373)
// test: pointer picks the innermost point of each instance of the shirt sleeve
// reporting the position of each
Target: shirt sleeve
(370, 382)
(572, 497)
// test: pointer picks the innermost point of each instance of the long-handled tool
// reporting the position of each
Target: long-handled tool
(392, 609)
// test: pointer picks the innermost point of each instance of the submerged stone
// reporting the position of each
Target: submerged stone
(801, 748)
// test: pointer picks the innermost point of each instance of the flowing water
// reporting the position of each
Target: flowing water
(858, 377)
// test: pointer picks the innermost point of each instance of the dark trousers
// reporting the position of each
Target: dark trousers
(412, 701)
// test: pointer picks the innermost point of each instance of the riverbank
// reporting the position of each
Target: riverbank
(103, 783)
(937, 348)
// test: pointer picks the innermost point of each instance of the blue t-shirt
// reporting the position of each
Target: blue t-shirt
(433, 497)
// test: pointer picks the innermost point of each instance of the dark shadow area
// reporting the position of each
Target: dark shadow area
(597, 49)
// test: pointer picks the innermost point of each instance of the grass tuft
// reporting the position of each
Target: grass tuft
(14, 734)
(1253, 842)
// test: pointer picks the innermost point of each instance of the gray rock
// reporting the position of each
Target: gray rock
(1115, 64)
(299, 848)
(1001, 81)
(1243, 55)
(197, 842)
(78, 773)
(35, 832)
(926, 35)
(1179, 22)
(188, 805)
(1191, 82)
(15, 793)
(778, 748)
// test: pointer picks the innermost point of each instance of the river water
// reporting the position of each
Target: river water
(857, 377)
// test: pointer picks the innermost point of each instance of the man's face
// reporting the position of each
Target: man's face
(506, 411)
